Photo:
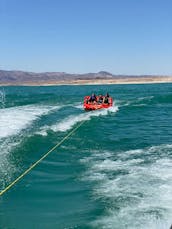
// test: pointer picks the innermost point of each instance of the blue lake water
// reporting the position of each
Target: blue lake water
(114, 172)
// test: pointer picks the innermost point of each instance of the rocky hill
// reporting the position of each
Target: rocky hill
(31, 78)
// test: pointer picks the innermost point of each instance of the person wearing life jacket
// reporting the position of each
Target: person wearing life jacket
(106, 99)
(100, 99)
(92, 98)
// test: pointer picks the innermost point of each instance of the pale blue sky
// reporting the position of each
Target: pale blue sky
(79, 36)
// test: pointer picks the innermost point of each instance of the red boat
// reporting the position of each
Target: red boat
(96, 105)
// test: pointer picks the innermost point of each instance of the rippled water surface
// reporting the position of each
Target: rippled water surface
(114, 172)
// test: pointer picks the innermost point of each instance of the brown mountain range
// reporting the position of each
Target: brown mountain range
(53, 78)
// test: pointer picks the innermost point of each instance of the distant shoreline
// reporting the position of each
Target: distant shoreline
(152, 80)
(17, 78)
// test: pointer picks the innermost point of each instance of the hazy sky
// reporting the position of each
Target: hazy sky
(79, 36)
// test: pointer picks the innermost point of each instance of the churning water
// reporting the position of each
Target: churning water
(114, 172)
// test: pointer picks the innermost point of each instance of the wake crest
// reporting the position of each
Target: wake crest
(14, 121)
(68, 122)
(134, 184)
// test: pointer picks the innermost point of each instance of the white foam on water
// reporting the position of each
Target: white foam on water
(68, 122)
(12, 122)
(136, 102)
(43, 131)
(140, 105)
(145, 98)
(15, 119)
(2, 98)
(6, 166)
(138, 194)
(78, 106)
(123, 103)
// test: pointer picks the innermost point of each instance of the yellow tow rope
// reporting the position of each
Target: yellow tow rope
(37, 162)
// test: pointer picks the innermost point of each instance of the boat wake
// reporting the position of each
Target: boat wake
(2, 98)
(135, 102)
(68, 122)
(15, 119)
(135, 185)
(14, 122)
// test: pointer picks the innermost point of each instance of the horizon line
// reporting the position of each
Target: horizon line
(101, 71)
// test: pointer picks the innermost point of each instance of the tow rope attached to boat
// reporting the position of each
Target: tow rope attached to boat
(37, 162)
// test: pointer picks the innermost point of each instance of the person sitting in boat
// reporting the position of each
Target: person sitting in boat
(92, 98)
(106, 99)
(100, 99)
